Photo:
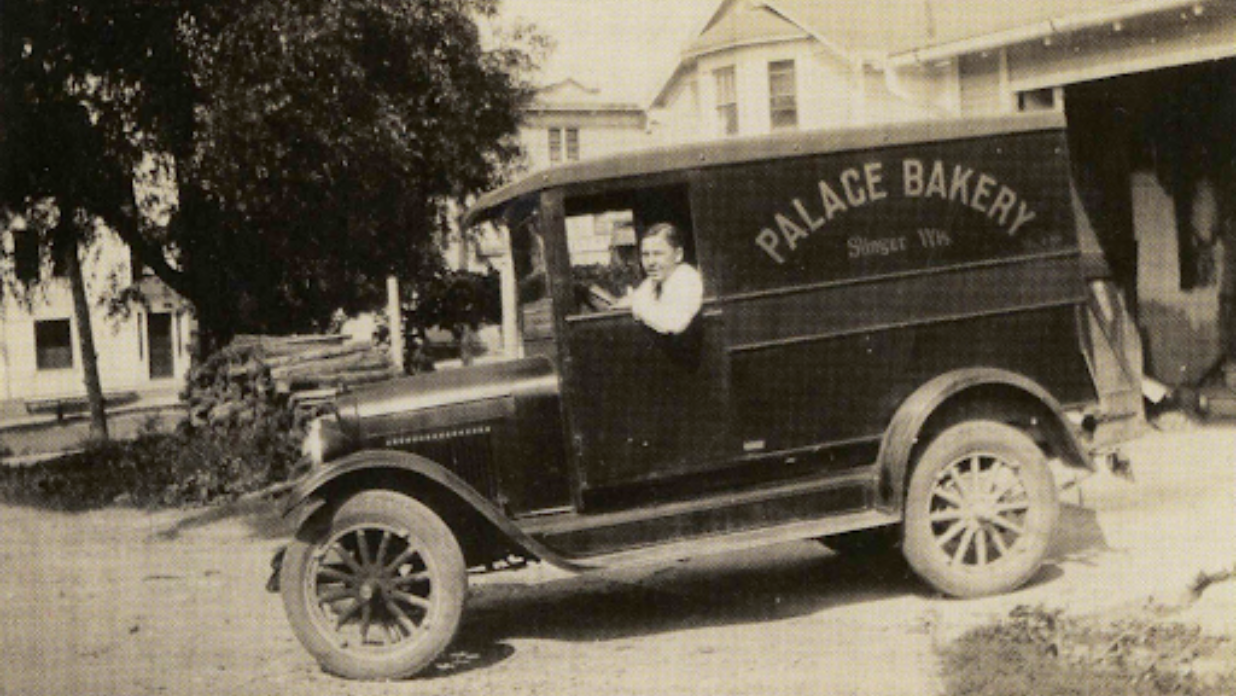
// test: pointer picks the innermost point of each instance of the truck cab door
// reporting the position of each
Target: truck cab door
(646, 407)
(642, 407)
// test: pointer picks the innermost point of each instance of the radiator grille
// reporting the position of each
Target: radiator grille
(467, 451)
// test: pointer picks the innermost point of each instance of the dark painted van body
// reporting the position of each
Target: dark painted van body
(865, 291)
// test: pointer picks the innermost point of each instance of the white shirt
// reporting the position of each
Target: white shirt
(670, 310)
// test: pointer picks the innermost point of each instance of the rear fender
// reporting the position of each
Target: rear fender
(905, 433)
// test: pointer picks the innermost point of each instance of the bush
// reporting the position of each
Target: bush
(1036, 651)
(190, 467)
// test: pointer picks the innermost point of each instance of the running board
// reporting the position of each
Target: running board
(726, 543)
(728, 521)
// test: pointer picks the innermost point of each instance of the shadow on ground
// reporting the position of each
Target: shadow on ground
(762, 585)
(260, 512)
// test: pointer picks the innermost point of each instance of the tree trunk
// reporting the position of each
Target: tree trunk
(85, 336)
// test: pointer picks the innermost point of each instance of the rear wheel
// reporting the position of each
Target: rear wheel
(980, 510)
(380, 592)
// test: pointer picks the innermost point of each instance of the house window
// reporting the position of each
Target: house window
(137, 269)
(557, 153)
(555, 145)
(53, 344)
(1037, 100)
(26, 255)
(782, 94)
(727, 100)
(60, 259)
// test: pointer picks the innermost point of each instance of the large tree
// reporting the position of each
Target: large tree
(58, 171)
(309, 148)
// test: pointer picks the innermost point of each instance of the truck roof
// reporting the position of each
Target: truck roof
(758, 148)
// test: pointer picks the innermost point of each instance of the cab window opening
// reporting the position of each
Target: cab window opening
(604, 232)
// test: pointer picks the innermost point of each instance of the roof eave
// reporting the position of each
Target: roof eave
(1055, 26)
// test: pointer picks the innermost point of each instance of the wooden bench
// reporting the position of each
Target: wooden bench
(75, 403)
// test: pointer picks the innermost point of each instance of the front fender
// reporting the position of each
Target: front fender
(903, 432)
(314, 492)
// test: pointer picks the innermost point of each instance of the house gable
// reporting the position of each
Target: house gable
(743, 24)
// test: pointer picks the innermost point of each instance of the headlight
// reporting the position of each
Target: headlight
(323, 440)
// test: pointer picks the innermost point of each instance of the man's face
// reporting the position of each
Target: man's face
(659, 257)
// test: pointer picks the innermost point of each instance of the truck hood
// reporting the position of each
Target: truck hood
(446, 388)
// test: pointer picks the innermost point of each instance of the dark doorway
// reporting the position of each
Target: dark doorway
(1154, 159)
(161, 350)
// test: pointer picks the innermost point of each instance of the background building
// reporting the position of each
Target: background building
(569, 121)
(143, 348)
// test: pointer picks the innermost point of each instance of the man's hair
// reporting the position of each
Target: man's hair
(667, 231)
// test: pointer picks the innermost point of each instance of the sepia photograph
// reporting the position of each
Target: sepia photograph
(623, 347)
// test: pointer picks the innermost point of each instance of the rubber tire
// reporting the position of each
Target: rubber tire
(438, 547)
(929, 561)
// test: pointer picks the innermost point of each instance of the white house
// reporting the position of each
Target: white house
(140, 350)
(568, 121)
(759, 67)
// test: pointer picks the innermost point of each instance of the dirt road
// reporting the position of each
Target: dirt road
(127, 602)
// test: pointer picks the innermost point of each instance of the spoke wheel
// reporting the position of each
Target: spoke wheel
(378, 594)
(980, 510)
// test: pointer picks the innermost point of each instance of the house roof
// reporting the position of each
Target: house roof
(904, 29)
(893, 26)
(741, 23)
(959, 27)
(956, 20)
(859, 26)
(571, 95)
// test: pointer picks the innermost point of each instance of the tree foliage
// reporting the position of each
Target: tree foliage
(453, 300)
(303, 149)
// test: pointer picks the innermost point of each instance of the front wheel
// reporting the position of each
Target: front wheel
(980, 510)
(380, 592)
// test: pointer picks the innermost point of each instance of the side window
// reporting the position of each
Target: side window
(603, 235)
(536, 316)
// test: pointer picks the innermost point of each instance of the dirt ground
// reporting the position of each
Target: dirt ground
(128, 602)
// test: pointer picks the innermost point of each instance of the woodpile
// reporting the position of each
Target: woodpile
(263, 376)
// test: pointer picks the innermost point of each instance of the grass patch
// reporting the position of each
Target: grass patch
(1036, 651)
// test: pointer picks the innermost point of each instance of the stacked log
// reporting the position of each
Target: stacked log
(264, 376)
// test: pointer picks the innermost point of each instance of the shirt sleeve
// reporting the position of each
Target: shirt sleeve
(681, 298)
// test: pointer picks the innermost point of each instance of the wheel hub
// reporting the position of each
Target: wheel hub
(976, 510)
(983, 511)
(372, 588)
